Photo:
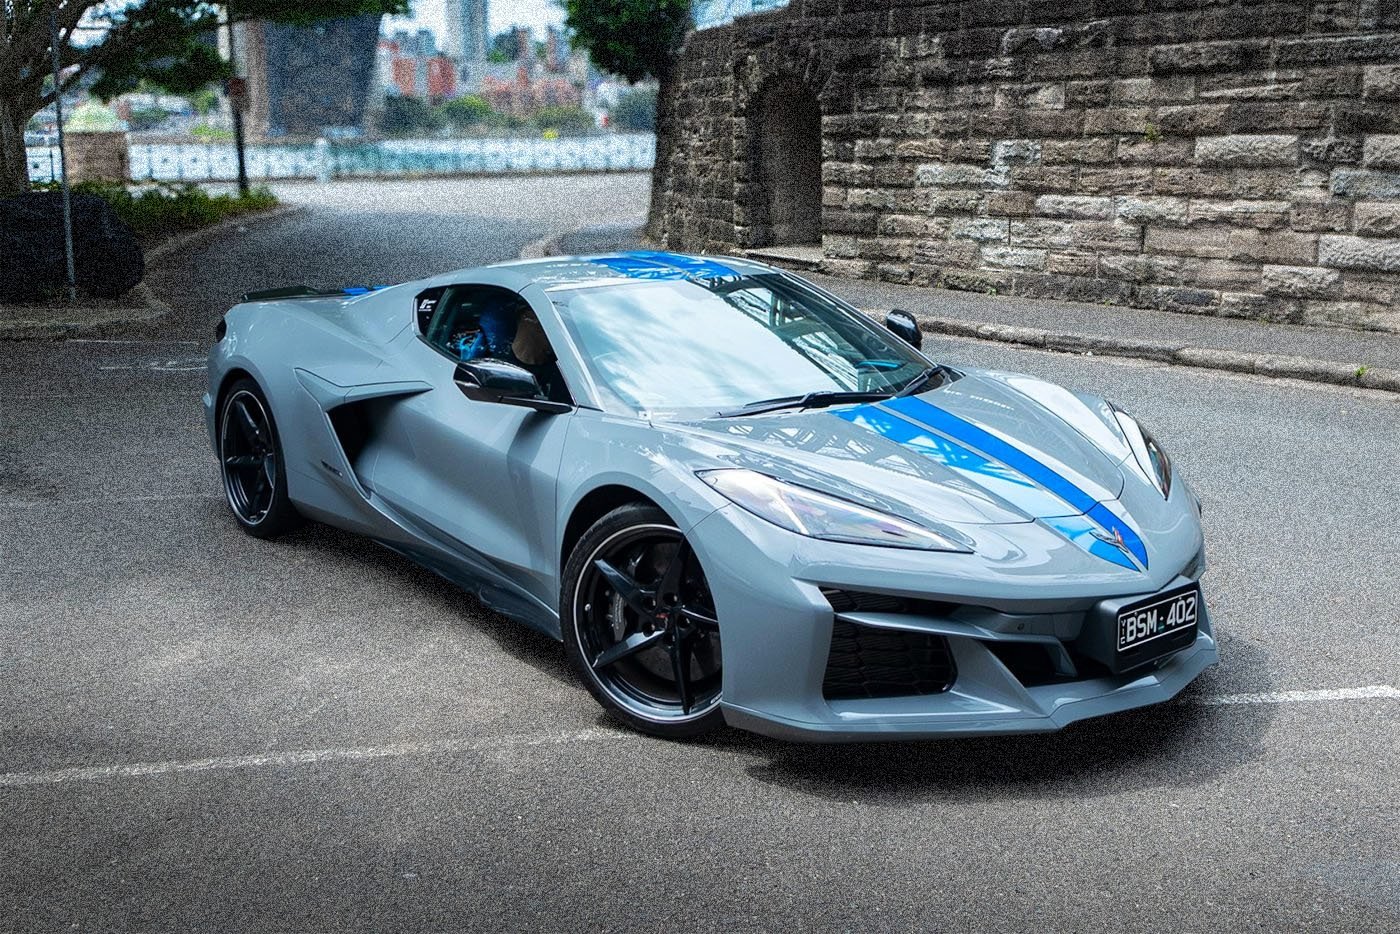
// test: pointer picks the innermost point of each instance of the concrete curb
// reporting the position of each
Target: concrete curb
(100, 321)
(175, 244)
(1318, 371)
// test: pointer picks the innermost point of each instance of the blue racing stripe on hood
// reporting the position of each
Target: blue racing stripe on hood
(993, 447)
(1002, 481)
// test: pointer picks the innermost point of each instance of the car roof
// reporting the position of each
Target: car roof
(569, 272)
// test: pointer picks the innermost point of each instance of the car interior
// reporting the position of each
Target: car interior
(475, 322)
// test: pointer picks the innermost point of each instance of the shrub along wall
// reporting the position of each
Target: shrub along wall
(1209, 156)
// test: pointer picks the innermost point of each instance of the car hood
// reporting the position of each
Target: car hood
(985, 449)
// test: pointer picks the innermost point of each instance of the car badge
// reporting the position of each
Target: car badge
(1115, 539)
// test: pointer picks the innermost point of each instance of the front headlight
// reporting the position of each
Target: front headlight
(1150, 456)
(818, 515)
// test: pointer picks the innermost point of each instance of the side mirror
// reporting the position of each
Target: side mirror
(506, 383)
(906, 326)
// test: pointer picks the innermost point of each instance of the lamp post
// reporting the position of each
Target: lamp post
(237, 91)
(63, 158)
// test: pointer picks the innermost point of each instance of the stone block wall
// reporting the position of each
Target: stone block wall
(1234, 157)
(98, 156)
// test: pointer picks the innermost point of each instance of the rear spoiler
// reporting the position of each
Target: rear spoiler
(306, 291)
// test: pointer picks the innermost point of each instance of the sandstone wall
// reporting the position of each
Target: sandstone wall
(1208, 156)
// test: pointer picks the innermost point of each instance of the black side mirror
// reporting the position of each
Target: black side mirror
(506, 383)
(905, 325)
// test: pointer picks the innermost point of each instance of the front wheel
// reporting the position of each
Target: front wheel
(639, 624)
(250, 459)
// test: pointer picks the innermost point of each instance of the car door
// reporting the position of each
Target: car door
(478, 477)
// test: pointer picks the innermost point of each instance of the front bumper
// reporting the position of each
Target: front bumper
(768, 587)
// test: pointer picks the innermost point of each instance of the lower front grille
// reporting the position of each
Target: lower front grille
(869, 662)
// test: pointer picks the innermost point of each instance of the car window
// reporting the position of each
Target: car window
(474, 322)
(685, 347)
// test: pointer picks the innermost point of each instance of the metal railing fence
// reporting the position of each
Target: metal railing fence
(215, 161)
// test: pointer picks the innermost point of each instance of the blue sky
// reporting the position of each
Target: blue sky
(536, 14)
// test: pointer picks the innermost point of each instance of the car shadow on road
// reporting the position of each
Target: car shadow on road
(1176, 744)
(451, 607)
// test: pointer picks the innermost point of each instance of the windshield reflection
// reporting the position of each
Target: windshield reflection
(691, 348)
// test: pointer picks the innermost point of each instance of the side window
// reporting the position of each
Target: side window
(474, 322)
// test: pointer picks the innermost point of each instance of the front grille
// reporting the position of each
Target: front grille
(868, 662)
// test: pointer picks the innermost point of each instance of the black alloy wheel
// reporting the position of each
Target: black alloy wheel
(640, 624)
(250, 458)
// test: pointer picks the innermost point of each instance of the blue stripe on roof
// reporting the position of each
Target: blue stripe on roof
(989, 444)
(655, 264)
(695, 265)
(634, 267)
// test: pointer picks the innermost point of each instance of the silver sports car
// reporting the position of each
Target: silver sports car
(733, 497)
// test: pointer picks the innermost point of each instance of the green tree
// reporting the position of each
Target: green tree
(635, 111)
(164, 42)
(408, 116)
(462, 112)
(565, 120)
(637, 39)
(504, 48)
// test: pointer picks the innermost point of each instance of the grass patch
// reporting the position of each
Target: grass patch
(158, 211)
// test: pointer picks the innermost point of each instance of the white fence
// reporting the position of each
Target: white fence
(214, 162)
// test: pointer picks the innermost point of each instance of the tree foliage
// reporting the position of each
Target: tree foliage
(636, 39)
(115, 45)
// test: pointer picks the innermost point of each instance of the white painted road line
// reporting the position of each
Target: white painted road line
(1370, 692)
(98, 773)
(107, 500)
(306, 757)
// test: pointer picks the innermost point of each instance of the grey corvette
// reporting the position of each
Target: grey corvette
(733, 497)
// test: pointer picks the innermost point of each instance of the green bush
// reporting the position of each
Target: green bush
(567, 121)
(211, 134)
(467, 111)
(167, 208)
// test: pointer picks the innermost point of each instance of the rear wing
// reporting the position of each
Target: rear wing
(306, 291)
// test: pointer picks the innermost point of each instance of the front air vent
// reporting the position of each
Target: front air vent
(856, 601)
(866, 661)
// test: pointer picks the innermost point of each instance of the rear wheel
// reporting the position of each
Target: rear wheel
(250, 458)
(639, 624)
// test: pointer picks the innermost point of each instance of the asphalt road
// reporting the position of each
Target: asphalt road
(202, 731)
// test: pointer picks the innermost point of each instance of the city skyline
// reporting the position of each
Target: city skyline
(501, 15)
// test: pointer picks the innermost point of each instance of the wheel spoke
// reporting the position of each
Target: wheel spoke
(243, 460)
(702, 618)
(633, 593)
(246, 423)
(629, 646)
(269, 469)
(680, 667)
(675, 571)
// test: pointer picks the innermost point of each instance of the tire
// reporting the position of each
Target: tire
(251, 464)
(639, 624)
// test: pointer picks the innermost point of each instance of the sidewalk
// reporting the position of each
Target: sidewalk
(1349, 358)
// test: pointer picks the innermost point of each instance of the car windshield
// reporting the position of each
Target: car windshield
(689, 348)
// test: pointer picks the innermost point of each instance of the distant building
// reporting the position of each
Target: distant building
(467, 35)
(308, 80)
(525, 94)
(411, 66)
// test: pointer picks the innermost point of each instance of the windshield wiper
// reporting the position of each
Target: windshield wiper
(921, 382)
(812, 400)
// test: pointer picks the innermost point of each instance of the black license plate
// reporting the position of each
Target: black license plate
(1158, 617)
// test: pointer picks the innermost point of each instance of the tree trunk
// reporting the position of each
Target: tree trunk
(14, 164)
(661, 168)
